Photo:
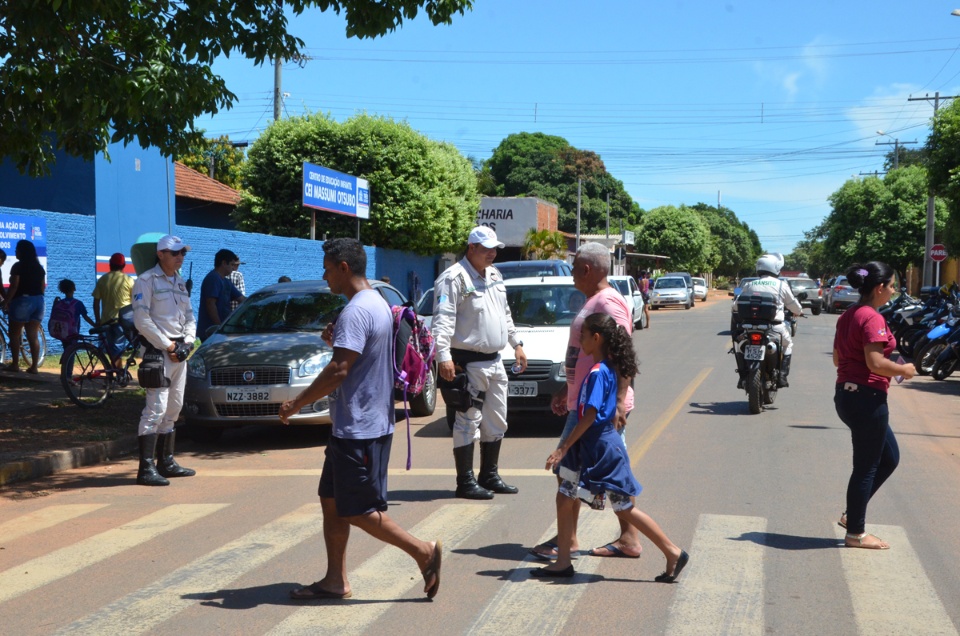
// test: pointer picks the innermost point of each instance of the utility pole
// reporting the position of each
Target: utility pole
(896, 143)
(928, 264)
(277, 71)
(608, 215)
(577, 246)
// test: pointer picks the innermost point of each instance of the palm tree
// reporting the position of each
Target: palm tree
(544, 244)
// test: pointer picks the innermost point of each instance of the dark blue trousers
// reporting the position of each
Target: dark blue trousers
(875, 450)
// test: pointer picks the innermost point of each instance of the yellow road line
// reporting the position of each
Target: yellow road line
(649, 436)
(43, 519)
(389, 575)
(395, 472)
(71, 559)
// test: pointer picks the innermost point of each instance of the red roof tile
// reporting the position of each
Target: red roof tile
(194, 185)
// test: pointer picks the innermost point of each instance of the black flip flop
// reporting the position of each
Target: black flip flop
(314, 591)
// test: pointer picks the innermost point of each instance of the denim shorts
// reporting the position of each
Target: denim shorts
(355, 474)
(26, 309)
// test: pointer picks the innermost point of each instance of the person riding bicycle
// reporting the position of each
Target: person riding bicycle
(768, 269)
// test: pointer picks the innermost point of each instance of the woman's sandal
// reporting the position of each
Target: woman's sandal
(843, 521)
(879, 545)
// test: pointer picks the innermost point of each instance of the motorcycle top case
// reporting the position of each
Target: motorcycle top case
(756, 308)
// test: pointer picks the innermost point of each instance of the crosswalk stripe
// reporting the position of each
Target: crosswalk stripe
(43, 519)
(387, 576)
(396, 472)
(891, 594)
(146, 608)
(722, 594)
(524, 605)
(71, 559)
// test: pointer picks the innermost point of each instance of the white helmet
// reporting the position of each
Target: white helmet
(772, 263)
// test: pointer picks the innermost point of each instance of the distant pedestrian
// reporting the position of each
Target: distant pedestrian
(236, 277)
(592, 462)
(68, 288)
(359, 381)
(385, 279)
(3, 291)
(113, 292)
(217, 292)
(861, 349)
(24, 303)
(644, 284)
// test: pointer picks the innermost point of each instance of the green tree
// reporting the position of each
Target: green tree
(879, 219)
(548, 167)
(423, 194)
(730, 241)
(943, 169)
(226, 159)
(679, 233)
(544, 244)
(78, 75)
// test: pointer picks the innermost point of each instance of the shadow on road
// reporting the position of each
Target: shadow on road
(939, 387)
(739, 407)
(789, 541)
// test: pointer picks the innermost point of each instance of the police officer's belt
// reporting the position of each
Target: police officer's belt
(462, 356)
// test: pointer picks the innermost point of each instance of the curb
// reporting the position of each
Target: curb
(59, 461)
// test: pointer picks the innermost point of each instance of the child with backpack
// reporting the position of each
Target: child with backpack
(64, 323)
(592, 461)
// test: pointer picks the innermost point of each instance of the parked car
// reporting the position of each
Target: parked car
(424, 307)
(734, 320)
(669, 291)
(814, 298)
(627, 286)
(687, 278)
(268, 351)
(519, 269)
(841, 295)
(700, 289)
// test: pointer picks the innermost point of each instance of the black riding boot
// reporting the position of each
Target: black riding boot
(147, 474)
(784, 372)
(467, 487)
(489, 477)
(166, 464)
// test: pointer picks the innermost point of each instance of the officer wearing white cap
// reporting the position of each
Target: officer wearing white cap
(471, 324)
(164, 318)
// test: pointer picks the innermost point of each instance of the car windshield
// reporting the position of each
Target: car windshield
(534, 305)
(425, 305)
(700, 281)
(523, 269)
(275, 312)
(803, 284)
(670, 283)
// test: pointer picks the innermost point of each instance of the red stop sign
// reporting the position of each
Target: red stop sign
(938, 252)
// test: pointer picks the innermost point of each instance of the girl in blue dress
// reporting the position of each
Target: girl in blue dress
(592, 462)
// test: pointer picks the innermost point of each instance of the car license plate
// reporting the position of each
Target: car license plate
(522, 389)
(248, 395)
(753, 352)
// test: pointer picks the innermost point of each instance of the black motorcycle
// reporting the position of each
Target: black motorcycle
(758, 350)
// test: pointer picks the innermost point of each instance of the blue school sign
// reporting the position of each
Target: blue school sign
(332, 191)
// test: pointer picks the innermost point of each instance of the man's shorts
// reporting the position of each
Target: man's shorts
(26, 309)
(355, 474)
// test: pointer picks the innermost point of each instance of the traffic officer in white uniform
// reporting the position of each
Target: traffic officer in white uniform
(164, 318)
(768, 269)
(471, 324)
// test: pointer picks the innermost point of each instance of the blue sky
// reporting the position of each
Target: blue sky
(772, 105)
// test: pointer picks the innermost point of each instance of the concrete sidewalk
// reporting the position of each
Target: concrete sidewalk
(20, 392)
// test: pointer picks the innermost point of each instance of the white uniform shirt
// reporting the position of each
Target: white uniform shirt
(470, 311)
(778, 289)
(161, 308)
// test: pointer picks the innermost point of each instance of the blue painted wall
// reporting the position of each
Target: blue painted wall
(72, 251)
(70, 187)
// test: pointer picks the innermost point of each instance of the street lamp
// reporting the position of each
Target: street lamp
(955, 12)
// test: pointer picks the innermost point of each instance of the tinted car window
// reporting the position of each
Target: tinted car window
(425, 306)
(541, 305)
(670, 283)
(270, 313)
(391, 295)
(520, 269)
(622, 286)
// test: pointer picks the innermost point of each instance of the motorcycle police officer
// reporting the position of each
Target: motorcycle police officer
(164, 317)
(768, 269)
(471, 324)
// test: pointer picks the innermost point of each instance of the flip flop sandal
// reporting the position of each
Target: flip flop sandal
(551, 551)
(434, 569)
(615, 552)
(843, 521)
(314, 591)
(881, 545)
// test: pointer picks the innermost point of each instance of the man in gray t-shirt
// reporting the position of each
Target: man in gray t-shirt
(359, 381)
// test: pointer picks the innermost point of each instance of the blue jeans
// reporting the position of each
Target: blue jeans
(875, 450)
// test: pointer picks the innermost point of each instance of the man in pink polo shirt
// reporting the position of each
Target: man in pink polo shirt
(590, 270)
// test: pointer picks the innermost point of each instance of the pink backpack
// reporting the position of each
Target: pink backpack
(414, 351)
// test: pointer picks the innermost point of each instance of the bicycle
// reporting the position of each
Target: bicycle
(5, 345)
(86, 373)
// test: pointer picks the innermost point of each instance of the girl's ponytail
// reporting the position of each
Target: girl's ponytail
(619, 345)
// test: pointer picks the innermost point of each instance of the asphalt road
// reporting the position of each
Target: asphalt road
(753, 498)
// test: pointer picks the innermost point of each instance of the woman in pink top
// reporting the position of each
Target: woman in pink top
(861, 349)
